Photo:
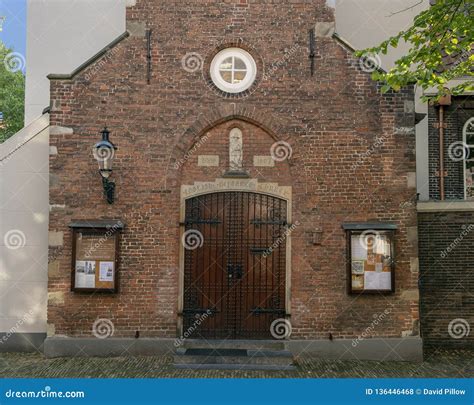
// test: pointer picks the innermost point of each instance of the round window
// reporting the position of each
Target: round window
(233, 70)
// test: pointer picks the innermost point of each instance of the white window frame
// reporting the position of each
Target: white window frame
(468, 146)
(250, 65)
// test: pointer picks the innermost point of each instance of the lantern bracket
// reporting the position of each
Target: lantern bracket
(109, 190)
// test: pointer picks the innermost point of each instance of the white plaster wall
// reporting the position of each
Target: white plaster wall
(366, 23)
(24, 187)
(62, 34)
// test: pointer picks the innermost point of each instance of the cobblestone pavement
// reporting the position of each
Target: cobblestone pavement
(452, 364)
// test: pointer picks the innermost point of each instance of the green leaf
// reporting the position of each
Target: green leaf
(12, 96)
(444, 29)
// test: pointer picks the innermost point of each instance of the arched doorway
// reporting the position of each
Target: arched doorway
(235, 255)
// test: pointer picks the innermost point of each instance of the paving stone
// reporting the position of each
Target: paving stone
(437, 364)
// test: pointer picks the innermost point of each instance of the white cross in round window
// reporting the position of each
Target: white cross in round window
(233, 70)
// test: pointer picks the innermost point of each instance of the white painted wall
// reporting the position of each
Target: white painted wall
(366, 23)
(62, 34)
(24, 187)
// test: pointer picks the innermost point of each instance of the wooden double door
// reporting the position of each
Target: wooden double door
(234, 265)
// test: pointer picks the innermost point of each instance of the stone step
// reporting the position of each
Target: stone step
(244, 367)
(277, 361)
(233, 359)
(234, 344)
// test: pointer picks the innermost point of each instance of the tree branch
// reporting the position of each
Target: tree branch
(405, 9)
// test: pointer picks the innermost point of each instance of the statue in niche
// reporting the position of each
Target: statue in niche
(236, 153)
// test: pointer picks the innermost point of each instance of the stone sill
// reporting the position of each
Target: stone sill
(446, 206)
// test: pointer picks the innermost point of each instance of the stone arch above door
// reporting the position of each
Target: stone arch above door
(217, 116)
(235, 148)
(244, 185)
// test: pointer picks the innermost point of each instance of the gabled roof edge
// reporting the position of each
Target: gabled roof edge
(346, 44)
(343, 42)
(103, 51)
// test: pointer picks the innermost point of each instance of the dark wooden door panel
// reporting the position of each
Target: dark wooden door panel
(239, 271)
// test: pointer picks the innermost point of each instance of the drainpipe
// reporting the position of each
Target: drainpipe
(442, 102)
(441, 151)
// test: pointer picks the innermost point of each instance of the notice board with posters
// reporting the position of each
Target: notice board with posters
(95, 256)
(371, 261)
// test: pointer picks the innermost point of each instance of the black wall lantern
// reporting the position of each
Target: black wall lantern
(104, 153)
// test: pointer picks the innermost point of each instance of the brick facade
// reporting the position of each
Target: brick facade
(446, 282)
(352, 160)
(446, 238)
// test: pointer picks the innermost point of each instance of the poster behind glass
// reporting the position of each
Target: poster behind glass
(95, 257)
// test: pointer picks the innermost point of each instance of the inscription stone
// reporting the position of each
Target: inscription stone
(208, 160)
(263, 161)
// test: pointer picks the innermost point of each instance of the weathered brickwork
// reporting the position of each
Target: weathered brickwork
(456, 115)
(351, 160)
(446, 282)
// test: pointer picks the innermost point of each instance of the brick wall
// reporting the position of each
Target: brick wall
(456, 115)
(353, 160)
(446, 268)
(446, 240)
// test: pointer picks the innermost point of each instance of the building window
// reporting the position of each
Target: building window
(468, 139)
(371, 258)
(233, 70)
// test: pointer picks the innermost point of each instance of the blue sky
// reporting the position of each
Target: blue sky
(13, 32)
